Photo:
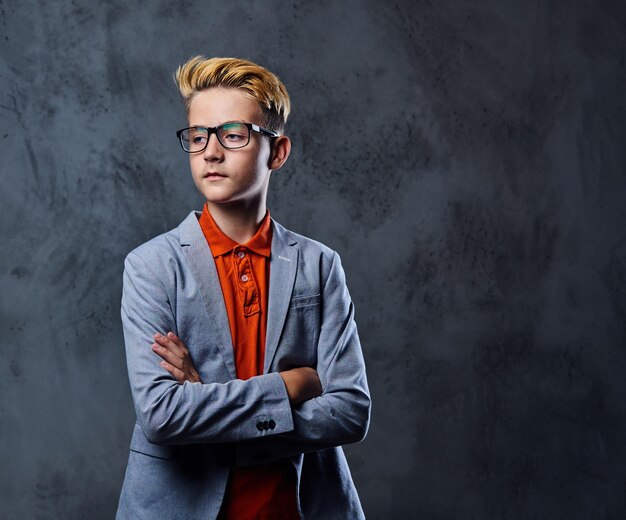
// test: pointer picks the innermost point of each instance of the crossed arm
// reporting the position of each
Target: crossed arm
(301, 383)
(312, 408)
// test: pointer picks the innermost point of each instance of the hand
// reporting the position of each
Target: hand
(302, 384)
(176, 358)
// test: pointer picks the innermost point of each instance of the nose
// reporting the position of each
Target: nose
(214, 151)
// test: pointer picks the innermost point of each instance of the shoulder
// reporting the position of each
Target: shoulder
(161, 250)
(314, 257)
(158, 246)
(156, 250)
(306, 245)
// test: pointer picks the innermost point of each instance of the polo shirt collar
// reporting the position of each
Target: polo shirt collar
(221, 244)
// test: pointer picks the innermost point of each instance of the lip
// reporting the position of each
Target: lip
(214, 175)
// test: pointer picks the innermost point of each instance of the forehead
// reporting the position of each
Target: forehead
(214, 106)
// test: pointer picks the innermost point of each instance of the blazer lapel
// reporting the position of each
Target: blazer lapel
(283, 268)
(204, 272)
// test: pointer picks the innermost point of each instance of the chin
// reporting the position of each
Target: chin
(214, 199)
(214, 194)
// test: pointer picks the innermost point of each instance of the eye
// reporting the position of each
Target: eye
(234, 133)
(197, 139)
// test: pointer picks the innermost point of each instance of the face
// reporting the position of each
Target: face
(230, 176)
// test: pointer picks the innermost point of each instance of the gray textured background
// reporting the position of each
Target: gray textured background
(465, 158)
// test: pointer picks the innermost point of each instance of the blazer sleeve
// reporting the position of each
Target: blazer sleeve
(341, 414)
(173, 413)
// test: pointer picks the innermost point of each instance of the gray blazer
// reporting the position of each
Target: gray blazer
(187, 436)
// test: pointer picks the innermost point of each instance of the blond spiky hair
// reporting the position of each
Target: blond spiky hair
(256, 82)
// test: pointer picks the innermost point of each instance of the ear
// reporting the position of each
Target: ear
(281, 147)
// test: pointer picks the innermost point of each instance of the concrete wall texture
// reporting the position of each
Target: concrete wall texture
(465, 158)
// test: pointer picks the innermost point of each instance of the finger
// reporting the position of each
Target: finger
(177, 374)
(177, 341)
(166, 342)
(167, 355)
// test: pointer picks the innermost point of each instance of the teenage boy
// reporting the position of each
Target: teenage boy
(243, 355)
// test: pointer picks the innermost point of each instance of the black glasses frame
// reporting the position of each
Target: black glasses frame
(214, 130)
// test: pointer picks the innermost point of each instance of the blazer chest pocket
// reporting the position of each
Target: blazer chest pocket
(140, 444)
(306, 300)
(300, 332)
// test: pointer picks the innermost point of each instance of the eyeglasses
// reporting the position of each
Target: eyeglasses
(230, 135)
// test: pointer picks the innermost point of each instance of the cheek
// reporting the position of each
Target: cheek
(263, 158)
(195, 165)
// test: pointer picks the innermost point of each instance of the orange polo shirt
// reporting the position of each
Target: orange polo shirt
(265, 491)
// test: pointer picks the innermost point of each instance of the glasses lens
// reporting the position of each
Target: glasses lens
(233, 135)
(194, 139)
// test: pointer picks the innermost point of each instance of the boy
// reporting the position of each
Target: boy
(243, 355)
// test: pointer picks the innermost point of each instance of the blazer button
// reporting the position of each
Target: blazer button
(265, 425)
(272, 424)
(259, 426)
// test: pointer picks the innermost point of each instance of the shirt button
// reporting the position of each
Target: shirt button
(244, 278)
(241, 254)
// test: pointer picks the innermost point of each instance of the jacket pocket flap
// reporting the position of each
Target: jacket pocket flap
(140, 444)
(305, 300)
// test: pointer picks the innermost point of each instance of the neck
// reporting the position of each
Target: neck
(238, 220)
